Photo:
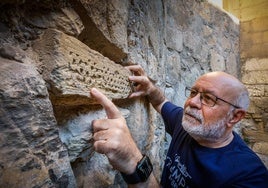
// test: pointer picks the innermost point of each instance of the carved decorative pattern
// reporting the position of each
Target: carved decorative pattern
(71, 69)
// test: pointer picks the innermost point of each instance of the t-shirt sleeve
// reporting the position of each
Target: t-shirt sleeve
(172, 116)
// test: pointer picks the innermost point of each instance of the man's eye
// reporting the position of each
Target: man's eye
(208, 98)
(193, 93)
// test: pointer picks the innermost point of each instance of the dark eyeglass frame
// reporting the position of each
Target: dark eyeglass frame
(202, 96)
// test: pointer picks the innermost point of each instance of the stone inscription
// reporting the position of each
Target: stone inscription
(91, 73)
(71, 69)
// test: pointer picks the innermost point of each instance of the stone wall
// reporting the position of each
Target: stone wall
(53, 52)
(253, 17)
(255, 126)
(253, 26)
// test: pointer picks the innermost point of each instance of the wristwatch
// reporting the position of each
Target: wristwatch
(143, 170)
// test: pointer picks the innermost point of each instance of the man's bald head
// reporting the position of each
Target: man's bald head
(231, 87)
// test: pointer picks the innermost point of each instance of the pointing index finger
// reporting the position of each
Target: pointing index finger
(111, 110)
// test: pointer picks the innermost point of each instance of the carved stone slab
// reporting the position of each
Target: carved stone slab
(71, 68)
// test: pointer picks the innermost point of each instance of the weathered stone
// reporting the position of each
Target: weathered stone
(193, 42)
(77, 134)
(172, 40)
(217, 61)
(255, 135)
(172, 30)
(31, 152)
(255, 77)
(88, 166)
(71, 69)
(12, 53)
(257, 90)
(232, 65)
(63, 18)
(97, 172)
(261, 147)
(255, 64)
(28, 19)
(253, 31)
(110, 41)
(254, 69)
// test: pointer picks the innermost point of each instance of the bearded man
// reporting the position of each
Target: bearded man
(204, 150)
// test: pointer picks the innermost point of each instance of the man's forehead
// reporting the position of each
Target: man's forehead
(219, 76)
(205, 85)
(216, 82)
(209, 81)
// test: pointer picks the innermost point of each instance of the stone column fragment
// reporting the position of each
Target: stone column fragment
(71, 69)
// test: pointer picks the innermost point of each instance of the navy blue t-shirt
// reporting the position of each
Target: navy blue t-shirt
(189, 164)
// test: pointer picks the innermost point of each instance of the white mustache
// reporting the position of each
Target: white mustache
(193, 113)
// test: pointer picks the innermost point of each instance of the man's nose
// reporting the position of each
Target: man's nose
(195, 101)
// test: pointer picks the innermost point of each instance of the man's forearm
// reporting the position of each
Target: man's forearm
(157, 98)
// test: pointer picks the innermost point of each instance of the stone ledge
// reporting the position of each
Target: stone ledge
(71, 69)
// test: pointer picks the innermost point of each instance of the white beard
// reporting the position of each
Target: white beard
(211, 131)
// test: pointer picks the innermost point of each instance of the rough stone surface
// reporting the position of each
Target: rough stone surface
(107, 34)
(71, 69)
(255, 126)
(31, 153)
(77, 135)
(253, 54)
(174, 41)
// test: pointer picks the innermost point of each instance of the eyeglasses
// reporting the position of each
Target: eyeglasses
(206, 98)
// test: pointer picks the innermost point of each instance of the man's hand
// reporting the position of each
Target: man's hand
(144, 87)
(112, 137)
(142, 84)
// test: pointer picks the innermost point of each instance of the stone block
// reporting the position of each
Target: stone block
(231, 64)
(254, 110)
(107, 35)
(71, 69)
(261, 147)
(256, 64)
(255, 135)
(260, 102)
(251, 49)
(31, 153)
(252, 9)
(250, 38)
(256, 25)
(255, 91)
(217, 61)
(176, 41)
(255, 77)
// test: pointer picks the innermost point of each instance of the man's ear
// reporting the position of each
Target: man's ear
(238, 114)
